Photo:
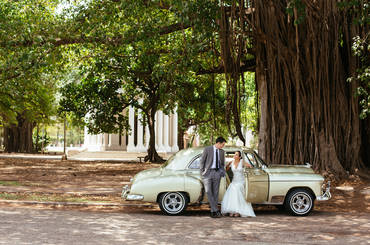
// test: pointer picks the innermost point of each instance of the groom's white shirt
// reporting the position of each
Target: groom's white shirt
(214, 156)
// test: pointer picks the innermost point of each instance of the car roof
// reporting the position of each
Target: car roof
(183, 157)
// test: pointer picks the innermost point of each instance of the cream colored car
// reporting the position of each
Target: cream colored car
(177, 183)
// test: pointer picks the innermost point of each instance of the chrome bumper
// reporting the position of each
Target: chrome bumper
(130, 197)
(125, 191)
(327, 195)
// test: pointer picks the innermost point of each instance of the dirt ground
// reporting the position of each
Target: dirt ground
(39, 226)
(345, 219)
(103, 181)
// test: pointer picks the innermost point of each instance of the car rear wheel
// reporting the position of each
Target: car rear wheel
(299, 202)
(173, 203)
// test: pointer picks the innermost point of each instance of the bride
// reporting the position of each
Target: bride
(234, 202)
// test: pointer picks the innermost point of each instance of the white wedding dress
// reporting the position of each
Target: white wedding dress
(234, 198)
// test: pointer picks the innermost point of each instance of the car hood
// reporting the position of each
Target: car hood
(277, 168)
(149, 173)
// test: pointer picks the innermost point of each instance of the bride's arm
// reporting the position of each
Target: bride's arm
(247, 165)
(228, 165)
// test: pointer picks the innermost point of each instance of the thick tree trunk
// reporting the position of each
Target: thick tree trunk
(308, 112)
(152, 152)
(18, 138)
(180, 138)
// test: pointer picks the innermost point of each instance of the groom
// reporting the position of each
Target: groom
(212, 168)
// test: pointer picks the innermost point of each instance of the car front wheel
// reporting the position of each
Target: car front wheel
(299, 202)
(173, 203)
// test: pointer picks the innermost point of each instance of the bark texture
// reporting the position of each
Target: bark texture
(308, 112)
(18, 138)
(152, 152)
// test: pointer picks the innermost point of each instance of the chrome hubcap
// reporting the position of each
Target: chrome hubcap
(301, 203)
(173, 202)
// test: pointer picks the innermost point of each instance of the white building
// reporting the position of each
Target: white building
(137, 140)
(248, 136)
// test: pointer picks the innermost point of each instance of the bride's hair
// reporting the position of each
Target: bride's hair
(240, 154)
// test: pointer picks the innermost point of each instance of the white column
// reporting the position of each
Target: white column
(166, 135)
(99, 140)
(159, 126)
(156, 130)
(140, 145)
(114, 142)
(147, 136)
(175, 146)
(86, 138)
(99, 143)
(105, 142)
(131, 121)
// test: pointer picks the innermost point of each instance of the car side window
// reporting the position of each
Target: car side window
(195, 164)
(252, 160)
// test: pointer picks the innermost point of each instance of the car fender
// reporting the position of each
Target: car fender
(150, 188)
(194, 188)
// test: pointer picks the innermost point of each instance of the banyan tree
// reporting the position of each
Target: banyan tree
(309, 112)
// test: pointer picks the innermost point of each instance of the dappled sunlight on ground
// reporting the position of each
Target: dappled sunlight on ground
(342, 220)
(196, 227)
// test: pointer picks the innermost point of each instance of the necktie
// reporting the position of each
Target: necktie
(217, 164)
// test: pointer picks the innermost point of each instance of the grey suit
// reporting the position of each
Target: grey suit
(211, 177)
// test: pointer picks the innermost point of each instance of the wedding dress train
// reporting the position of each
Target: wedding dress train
(234, 199)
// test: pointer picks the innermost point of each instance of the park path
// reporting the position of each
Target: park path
(139, 226)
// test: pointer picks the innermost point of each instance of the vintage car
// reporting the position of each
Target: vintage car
(177, 183)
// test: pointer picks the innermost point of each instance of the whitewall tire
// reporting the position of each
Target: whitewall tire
(173, 203)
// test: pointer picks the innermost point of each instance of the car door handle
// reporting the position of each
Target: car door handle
(256, 172)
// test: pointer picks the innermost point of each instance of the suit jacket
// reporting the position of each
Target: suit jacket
(207, 160)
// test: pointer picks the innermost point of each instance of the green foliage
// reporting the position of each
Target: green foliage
(202, 105)
(40, 142)
(111, 54)
(33, 100)
(98, 101)
(153, 61)
(249, 110)
(26, 84)
(358, 8)
(296, 9)
(361, 48)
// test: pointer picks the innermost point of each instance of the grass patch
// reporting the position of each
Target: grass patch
(10, 183)
(44, 198)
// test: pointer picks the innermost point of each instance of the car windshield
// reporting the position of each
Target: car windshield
(259, 159)
(253, 158)
(181, 158)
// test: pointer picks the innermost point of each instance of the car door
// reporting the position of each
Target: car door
(258, 180)
(194, 171)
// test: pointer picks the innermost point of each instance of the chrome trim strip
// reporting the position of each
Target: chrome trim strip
(294, 181)
(268, 203)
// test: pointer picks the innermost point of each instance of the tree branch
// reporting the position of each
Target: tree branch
(116, 40)
(249, 65)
